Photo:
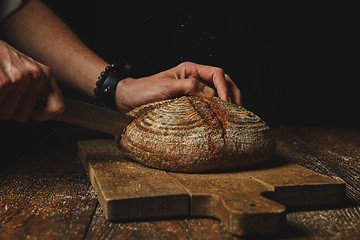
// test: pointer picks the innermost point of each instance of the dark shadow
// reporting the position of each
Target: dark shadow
(271, 162)
(347, 203)
(288, 231)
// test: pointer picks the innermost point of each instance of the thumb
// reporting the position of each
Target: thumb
(52, 102)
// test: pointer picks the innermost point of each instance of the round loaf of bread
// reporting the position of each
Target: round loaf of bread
(194, 134)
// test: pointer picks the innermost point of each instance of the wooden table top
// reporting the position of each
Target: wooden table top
(45, 193)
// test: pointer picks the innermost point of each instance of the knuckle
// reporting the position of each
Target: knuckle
(35, 72)
(185, 64)
(39, 74)
(20, 77)
(219, 70)
(192, 84)
(46, 70)
(16, 76)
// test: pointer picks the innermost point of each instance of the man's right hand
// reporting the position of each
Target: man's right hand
(25, 82)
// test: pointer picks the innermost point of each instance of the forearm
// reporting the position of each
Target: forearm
(38, 32)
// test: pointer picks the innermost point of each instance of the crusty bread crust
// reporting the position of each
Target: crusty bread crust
(194, 134)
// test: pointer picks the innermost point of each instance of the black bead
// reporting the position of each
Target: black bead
(96, 91)
(103, 74)
(100, 82)
(106, 84)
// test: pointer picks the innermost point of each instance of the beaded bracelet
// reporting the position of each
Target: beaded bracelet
(107, 83)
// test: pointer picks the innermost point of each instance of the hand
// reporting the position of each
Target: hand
(185, 79)
(23, 81)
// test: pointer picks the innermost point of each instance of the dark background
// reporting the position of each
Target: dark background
(293, 62)
(296, 64)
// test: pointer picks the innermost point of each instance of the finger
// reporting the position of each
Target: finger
(11, 101)
(27, 103)
(216, 76)
(235, 93)
(5, 87)
(39, 75)
(45, 70)
(4, 91)
(13, 82)
(192, 86)
(31, 96)
(53, 102)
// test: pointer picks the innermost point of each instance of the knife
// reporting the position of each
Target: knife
(94, 117)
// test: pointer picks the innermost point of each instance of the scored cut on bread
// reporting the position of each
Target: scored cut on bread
(195, 134)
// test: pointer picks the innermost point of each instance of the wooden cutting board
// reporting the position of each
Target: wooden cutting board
(248, 202)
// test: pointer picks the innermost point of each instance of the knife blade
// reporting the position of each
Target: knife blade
(94, 117)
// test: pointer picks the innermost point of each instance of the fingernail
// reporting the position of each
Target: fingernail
(208, 91)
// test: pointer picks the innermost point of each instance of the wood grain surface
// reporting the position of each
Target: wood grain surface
(144, 192)
(236, 197)
(333, 152)
(45, 194)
